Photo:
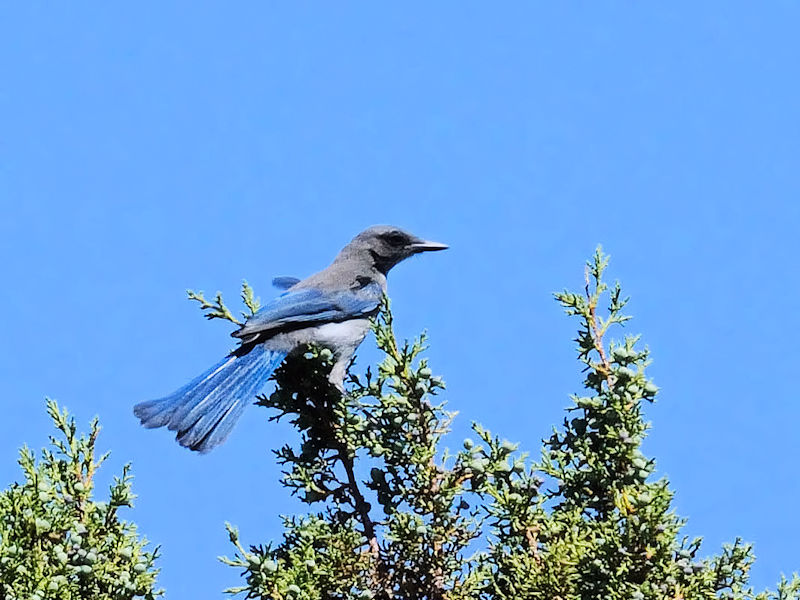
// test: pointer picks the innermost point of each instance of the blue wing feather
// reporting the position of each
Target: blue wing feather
(313, 305)
(284, 283)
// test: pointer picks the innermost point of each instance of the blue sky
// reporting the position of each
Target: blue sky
(151, 147)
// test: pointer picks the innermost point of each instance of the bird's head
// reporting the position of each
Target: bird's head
(386, 246)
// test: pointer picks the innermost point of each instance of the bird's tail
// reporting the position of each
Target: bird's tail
(204, 411)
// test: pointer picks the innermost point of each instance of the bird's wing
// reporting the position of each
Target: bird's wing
(309, 306)
(284, 283)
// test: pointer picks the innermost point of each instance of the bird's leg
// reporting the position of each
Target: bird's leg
(339, 371)
(344, 356)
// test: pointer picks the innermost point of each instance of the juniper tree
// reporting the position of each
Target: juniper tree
(56, 541)
(393, 516)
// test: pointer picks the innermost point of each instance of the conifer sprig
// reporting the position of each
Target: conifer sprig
(56, 540)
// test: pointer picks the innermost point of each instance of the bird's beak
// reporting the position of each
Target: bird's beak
(427, 246)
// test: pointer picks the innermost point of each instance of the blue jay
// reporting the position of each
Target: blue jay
(331, 308)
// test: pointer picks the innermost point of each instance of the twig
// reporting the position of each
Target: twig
(361, 507)
(597, 334)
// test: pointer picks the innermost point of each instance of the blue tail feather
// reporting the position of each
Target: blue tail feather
(204, 411)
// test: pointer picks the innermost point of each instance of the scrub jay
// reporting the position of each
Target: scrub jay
(331, 308)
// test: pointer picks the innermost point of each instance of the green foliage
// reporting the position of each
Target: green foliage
(393, 516)
(218, 310)
(56, 542)
(605, 528)
(389, 422)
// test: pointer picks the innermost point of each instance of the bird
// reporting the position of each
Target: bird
(331, 309)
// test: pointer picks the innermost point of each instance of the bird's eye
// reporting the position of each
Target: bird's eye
(395, 238)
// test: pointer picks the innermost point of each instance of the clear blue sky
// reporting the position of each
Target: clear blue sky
(152, 147)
